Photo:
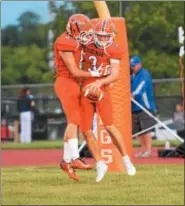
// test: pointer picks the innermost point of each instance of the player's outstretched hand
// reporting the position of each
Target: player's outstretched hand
(95, 73)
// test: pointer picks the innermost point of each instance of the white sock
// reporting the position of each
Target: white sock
(126, 158)
(100, 162)
(67, 154)
(73, 146)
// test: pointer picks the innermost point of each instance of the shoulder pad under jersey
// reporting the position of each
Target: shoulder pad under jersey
(114, 51)
(66, 43)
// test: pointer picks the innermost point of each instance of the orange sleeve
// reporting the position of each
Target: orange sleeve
(115, 52)
(66, 44)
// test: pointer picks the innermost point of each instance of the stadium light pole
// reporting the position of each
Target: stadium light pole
(52, 16)
(181, 54)
(121, 9)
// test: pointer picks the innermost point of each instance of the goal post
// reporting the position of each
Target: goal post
(102, 9)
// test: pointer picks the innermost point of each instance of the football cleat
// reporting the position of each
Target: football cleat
(101, 169)
(131, 170)
(80, 164)
(69, 170)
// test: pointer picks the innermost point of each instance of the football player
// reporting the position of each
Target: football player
(102, 55)
(67, 52)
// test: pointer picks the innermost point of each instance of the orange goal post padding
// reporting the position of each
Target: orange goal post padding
(121, 97)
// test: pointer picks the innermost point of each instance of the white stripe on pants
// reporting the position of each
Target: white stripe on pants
(25, 127)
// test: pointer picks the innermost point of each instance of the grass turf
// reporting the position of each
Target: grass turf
(57, 144)
(152, 185)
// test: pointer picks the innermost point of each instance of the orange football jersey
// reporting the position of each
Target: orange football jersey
(65, 43)
(96, 58)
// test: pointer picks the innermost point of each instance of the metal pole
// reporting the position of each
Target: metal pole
(52, 16)
(82, 146)
(121, 9)
(145, 130)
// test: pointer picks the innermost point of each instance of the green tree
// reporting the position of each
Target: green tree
(37, 36)
(28, 31)
(31, 31)
(152, 34)
(10, 36)
(27, 65)
(62, 15)
(153, 25)
(28, 20)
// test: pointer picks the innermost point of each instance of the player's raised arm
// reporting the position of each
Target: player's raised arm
(115, 64)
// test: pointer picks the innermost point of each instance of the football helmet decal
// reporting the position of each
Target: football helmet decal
(79, 27)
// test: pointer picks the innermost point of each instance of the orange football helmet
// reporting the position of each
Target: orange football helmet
(79, 27)
(104, 33)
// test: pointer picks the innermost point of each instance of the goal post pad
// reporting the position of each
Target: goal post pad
(121, 100)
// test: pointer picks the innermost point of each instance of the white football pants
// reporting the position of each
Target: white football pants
(26, 130)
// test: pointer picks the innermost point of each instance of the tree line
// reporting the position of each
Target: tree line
(151, 29)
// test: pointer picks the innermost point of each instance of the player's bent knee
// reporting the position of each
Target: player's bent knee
(71, 127)
(74, 121)
(71, 131)
(109, 128)
(88, 134)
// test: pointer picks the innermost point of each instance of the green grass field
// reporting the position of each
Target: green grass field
(57, 144)
(152, 185)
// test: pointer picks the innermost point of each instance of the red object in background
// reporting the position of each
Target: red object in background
(5, 132)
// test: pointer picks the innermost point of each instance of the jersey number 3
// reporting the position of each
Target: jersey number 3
(93, 60)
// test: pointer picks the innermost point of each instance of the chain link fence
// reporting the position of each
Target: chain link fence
(167, 94)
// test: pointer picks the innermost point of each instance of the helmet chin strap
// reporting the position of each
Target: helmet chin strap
(98, 43)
